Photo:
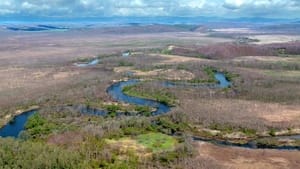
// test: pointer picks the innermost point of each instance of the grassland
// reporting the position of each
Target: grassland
(157, 142)
(147, 143)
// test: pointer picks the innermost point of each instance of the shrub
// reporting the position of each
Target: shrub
(38, 126)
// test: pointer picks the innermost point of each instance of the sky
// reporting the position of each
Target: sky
(287, 9)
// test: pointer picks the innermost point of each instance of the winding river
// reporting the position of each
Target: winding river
(116, 92)
(14, 128)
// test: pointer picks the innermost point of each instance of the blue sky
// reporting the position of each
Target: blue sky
(145, 8)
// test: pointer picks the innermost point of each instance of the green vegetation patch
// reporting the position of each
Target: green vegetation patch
(38, 126)
(168, 126)
(210, 71)
(153, 142)
(227, 129)
(144, 110)
(230, 76)
(158, 95)
(157, 142)
(85, 59)
(115, 109)
(112, 110)
(166, 52)
(124, 63)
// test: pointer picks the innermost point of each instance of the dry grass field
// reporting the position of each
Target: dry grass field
(34, 65)
(238, 158)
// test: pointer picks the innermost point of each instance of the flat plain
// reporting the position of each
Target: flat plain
(262, 104)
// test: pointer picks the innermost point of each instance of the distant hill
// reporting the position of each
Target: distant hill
(283, 28)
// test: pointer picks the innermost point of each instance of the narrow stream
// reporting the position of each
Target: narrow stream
(91, 63)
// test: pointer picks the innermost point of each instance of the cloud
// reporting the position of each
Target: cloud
(233, 4)
(101, 8)
(263, 8)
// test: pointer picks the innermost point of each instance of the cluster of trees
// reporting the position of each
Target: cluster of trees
(25, 154)
(150, 92)
(92, 151)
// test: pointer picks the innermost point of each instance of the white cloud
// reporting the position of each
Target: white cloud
(87, 8)
(235, 2)
(27, 5)
(263, 8)
(195, 3)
